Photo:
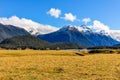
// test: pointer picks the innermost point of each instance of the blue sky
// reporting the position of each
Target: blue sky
(106, 11)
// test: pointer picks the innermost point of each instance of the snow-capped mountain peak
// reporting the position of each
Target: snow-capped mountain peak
(82, 28)
(69, 27)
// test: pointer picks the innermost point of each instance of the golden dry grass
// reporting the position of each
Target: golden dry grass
(57, 65)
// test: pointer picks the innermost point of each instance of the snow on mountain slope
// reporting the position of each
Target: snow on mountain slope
(115, 34)
(82, 28)
(32, 27)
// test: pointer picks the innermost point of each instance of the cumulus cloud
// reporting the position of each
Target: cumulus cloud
(98, 26)
(54, 12)
(86, 20)
(28, 25)
(69, 17)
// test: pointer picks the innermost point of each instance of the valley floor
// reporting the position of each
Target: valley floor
(57, 65)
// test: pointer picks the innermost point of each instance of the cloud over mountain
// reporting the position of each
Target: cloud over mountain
(86, 20)
(29, 25)
(69, 17)
(54, 12)
(98, 26)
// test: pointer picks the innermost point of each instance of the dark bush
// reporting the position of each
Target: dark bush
(104, 51)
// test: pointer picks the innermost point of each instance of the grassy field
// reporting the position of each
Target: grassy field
(58, 65)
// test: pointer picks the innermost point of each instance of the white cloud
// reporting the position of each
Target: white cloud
(86, 20)
(98, 26)
(54, 12)
(69, 17)
(28, 25)
(115, 34)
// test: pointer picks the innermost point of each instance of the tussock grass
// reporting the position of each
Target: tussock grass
(8, 53)
(57, 65)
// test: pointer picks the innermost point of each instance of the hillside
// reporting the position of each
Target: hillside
(8, 31)
(24, 42)
(35, 43)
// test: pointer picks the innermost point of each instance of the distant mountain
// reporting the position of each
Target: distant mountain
(81, 35)
(117, 45)
(8, 31)
(67, 37)
(35, 43)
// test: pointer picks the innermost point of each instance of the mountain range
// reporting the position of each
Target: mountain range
(68, 36)
(81, 35)
(35, 28)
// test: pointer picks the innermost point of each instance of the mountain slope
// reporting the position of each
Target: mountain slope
(35, 43)
(82, 35)
(8, 31)
(24, 41)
